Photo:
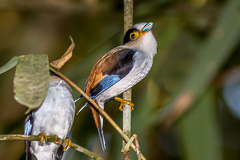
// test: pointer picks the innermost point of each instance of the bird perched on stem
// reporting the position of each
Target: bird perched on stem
(120, 69)
(54, 117)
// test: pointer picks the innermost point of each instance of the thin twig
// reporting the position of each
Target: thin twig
(137, 147)
(103, 113)
(126, 147)
(53, 139)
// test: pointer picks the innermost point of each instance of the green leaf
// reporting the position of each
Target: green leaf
(199, 132)
(9, 65)
(31, 80)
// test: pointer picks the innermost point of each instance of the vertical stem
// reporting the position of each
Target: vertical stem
(128, 14)
(128, 22)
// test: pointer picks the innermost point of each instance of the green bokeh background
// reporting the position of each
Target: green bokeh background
(198, 47)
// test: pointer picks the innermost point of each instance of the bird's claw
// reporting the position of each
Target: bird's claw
(43, 138)
(68, 144)
(124, 102)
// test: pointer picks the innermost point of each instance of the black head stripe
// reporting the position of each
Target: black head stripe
(127, 35)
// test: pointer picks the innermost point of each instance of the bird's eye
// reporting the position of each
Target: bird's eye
(134, 35)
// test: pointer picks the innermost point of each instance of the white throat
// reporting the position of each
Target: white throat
(148, 44)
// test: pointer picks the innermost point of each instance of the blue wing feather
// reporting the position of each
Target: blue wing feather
(104, 84)
(28, 124)
(27, 131)
(118, 66)
(28, 127)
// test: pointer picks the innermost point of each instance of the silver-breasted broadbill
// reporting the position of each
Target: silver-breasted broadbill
(54, 117)
(120, 69)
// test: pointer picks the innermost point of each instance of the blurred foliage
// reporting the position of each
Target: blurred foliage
(9, 65)
(198, 50)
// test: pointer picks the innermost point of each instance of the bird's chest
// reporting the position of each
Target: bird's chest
(56, 114)
(54, 117)
(50, 122)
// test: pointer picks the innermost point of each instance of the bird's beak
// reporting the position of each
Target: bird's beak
(147, 27)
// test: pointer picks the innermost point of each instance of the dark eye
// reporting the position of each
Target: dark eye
(134, 35)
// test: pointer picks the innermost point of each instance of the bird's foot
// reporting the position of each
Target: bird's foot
(43, 138)
(124, 102)
(68, 144)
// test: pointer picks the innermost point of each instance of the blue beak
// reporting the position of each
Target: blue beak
(147, 27)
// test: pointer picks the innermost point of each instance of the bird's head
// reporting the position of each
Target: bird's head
(140, 37)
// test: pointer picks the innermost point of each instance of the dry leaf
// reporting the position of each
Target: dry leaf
(67, 55)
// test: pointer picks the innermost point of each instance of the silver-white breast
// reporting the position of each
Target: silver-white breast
(54, 117)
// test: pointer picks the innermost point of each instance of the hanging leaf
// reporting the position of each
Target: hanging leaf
(31, 80)
(67, 55)
(9, 65)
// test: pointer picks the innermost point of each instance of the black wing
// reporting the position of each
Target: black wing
(123, 64)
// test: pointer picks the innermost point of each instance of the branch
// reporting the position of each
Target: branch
(54, 139)
(125, 149)
(127, 95)
(103, 113)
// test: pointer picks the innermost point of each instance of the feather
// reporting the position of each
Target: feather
(59, 153)
(104, 84)
(102, 140)
(78, 98)
(85, 105)
(120, 69)
(27, 131)
(54, 117)
(109, 70)
(100, 129)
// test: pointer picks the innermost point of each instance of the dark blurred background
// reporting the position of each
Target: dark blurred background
(187, 108)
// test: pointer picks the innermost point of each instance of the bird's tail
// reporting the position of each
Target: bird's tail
(85, 105)
(102, 140)
(99, 124)
(78, 98)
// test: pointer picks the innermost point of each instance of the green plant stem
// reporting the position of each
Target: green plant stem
(103, 113)
(54, 139)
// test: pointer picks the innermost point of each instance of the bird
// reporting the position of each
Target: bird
(120, 69)
(54, 117)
